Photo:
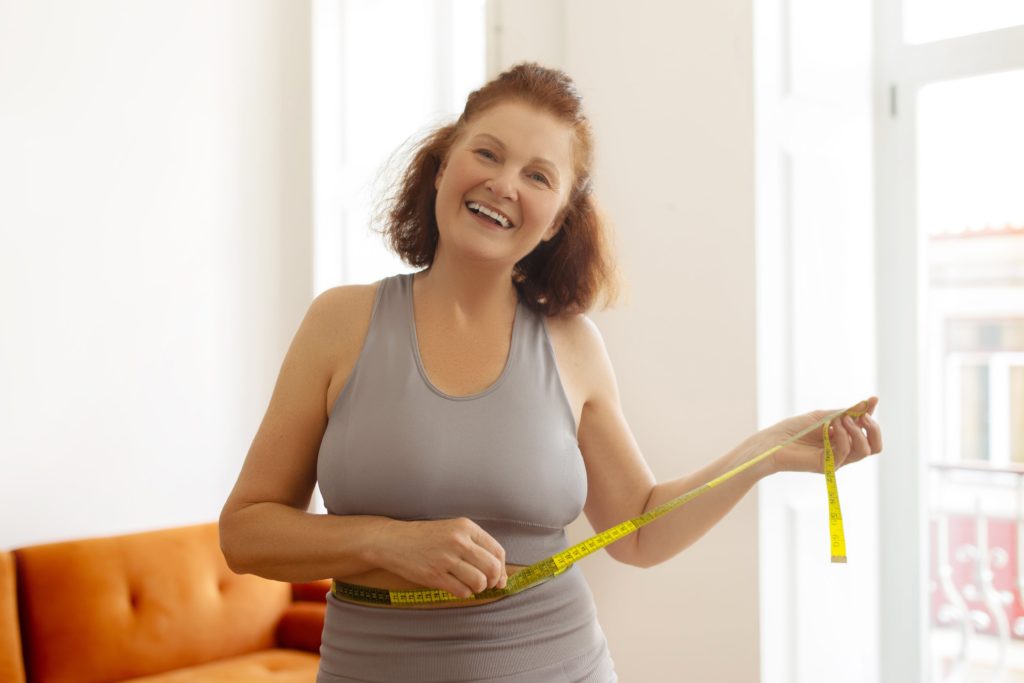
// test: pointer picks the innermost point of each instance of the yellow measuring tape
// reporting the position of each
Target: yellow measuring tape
(552, 566)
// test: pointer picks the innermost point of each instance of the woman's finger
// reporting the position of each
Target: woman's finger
(484, 560)
(489, 543)
(490, 557)
(840, 442)
(859, 447)
(872, 402)
(873, 431)
(469, 577)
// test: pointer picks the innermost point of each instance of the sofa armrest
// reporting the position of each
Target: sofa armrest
(302, 623)
(301, 626)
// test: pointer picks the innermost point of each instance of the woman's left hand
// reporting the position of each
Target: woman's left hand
(852, 439)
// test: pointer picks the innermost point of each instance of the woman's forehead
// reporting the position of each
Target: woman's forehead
(524, 130)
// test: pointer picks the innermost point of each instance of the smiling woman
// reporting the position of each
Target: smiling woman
(457, 419)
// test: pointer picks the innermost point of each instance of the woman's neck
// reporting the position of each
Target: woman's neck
(466, 294)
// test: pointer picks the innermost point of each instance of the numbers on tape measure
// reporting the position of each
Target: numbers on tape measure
(837, 539)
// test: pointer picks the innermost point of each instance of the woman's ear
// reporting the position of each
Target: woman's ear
(559, 221)
(556, 225)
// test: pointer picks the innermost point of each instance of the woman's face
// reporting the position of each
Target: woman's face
(513, 162)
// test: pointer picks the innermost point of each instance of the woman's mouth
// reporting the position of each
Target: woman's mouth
(489, 216)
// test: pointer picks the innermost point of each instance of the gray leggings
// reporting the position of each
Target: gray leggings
(546, 634)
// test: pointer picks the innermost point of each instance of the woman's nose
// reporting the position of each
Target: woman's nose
(502, 185)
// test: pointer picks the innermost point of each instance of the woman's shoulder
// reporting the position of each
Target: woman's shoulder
(341, 316)
(578, 346)
(576, 331)
(344, 313)
(346, 299)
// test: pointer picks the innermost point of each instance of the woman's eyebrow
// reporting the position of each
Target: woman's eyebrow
(501, 145)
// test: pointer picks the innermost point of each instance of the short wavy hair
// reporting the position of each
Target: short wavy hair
(564, 275)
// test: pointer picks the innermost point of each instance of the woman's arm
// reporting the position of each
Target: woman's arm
(279, 542)
(850, 441)
(264, 526)
(621, 485)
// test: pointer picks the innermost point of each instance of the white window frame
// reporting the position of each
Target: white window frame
(901, 70)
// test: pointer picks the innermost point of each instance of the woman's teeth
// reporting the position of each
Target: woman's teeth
(493, 215)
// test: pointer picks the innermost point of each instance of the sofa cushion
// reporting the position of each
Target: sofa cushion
(109, 609)
(11, 668)
(269, 666)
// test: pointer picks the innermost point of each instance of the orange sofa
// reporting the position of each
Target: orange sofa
(154, 607)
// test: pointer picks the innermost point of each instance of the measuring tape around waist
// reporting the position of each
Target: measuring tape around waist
(551, 567)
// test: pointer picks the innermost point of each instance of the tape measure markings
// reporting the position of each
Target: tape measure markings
(837, 538)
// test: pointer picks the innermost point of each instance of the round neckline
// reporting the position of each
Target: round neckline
(419, 359)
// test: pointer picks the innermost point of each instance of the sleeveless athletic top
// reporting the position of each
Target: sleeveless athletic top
(506, 457)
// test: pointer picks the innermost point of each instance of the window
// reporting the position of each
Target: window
(950, 273)
(983, 390)
(385, 72)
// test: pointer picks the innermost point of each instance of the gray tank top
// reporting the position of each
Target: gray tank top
(506, 457)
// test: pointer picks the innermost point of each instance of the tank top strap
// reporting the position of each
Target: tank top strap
(392, 315)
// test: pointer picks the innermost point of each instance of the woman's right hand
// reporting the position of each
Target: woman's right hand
(455, 555)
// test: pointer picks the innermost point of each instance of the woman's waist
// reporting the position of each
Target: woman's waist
(389, 581)
(565, 598)
(540, 626)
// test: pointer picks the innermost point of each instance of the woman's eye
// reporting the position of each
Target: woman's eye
(540, 178)
(486, 153)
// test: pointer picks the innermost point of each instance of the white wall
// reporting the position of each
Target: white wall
(669, 88)
(155, 232)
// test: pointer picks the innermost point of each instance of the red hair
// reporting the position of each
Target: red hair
(564, 275)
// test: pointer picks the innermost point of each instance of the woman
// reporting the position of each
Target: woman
(457, 419)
